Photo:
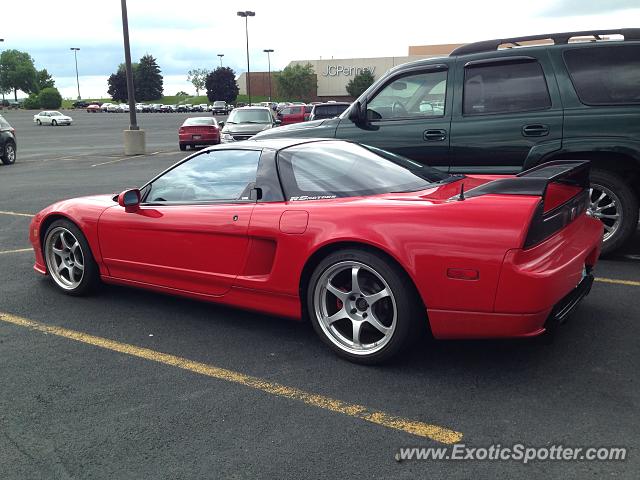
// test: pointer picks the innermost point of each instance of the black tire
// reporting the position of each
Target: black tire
(628, 207)
(9, 153)
(183, 147)
(38, 122)
(410, 315)
(91, 275)
(54, 123)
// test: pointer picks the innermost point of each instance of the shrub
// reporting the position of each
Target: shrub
(50, 98)
(32, 102)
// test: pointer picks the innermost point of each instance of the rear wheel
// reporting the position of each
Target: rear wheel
(9, 154)
(54, 123)
(183, 147)
(69, 260)
(363, 306)
(614, 203)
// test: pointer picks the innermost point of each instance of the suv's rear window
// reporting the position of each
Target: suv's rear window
(504, 88)
(606, 75)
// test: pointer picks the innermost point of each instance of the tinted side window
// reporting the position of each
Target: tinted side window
(504, 88)
(606, 75)
(417, 95)
(220, 175)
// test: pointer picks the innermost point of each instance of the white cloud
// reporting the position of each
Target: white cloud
(190, 33)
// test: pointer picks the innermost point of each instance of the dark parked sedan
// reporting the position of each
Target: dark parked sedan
(7, 142)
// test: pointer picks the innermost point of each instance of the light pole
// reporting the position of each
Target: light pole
(134, 138)
(221, 55)
(269, 51)
(75, 54)
(246, 14)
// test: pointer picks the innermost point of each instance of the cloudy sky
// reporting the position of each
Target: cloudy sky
(190, 33)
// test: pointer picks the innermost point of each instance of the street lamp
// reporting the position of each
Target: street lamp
(221, 55)
(246, 14)
(269, 51)
(75, 54)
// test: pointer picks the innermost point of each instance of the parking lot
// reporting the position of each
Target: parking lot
(132, 384)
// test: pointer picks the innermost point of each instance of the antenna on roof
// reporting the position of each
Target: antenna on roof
(461, 196)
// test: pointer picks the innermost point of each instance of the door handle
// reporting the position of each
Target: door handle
(535, 130)
(434, 135)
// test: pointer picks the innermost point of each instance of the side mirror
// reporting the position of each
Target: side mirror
(130, 200)
(221, 124)
(278, 121)
(358, 113)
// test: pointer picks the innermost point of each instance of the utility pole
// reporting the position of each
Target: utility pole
(75, 54)
(269, 51)
(246, 15)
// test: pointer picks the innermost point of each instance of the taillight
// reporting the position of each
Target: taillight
(546, 222)
(181, 130)
(13, 130)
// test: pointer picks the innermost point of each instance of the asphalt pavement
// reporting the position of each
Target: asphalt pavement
(132, 384)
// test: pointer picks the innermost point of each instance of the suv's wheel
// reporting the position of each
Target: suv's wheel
(69, 259)
(363, 306)
(9, 155)
(615, 204)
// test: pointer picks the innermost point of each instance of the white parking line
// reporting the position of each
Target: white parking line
(16, 214)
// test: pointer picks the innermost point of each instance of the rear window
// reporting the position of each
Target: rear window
(504, 88)
(200, 121)
(607, 75)
(320, 170)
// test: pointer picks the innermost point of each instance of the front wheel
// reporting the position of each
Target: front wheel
(38, 122)
(363, 306)
(9, 155)
(69, 259)
(615, 204)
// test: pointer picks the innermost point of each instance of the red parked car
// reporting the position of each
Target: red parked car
(198, 131)
(370, 246)
(93, 108)
(294, 114)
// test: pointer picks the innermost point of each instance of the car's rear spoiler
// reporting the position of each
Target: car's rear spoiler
(536, 180)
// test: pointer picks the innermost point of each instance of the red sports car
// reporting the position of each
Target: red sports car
(198, 131)
(371, 246)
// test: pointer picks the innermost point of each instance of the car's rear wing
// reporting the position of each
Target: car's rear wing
(563, 186)
(536, 180)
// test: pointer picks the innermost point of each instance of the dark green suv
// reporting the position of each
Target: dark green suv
(501, 106)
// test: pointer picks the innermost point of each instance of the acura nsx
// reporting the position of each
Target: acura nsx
(371, 247)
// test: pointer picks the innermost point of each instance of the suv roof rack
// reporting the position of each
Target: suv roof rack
(558, 38)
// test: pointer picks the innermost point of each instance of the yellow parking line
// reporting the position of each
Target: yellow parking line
(16, 214)
(618, 282)
(421, 429)
(19, 250)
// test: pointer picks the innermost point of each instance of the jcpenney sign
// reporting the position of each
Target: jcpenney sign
(336, 70)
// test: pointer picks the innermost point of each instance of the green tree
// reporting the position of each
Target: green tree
(297, 82)
(50, 98)
(221, 85)
(182, 94)
(17, 72)
(198, 78)
(118, 83)
(32, 102)
(358, 84)
(149, 83)
(44, 80)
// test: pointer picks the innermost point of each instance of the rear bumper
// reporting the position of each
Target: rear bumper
(538, 288)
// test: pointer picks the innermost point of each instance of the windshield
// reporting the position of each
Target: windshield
(330, 169)
(250, 116)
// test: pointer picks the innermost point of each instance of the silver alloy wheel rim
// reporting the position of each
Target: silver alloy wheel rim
(605, 206)
(64, 257)
(355, 308)
(11, 153)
